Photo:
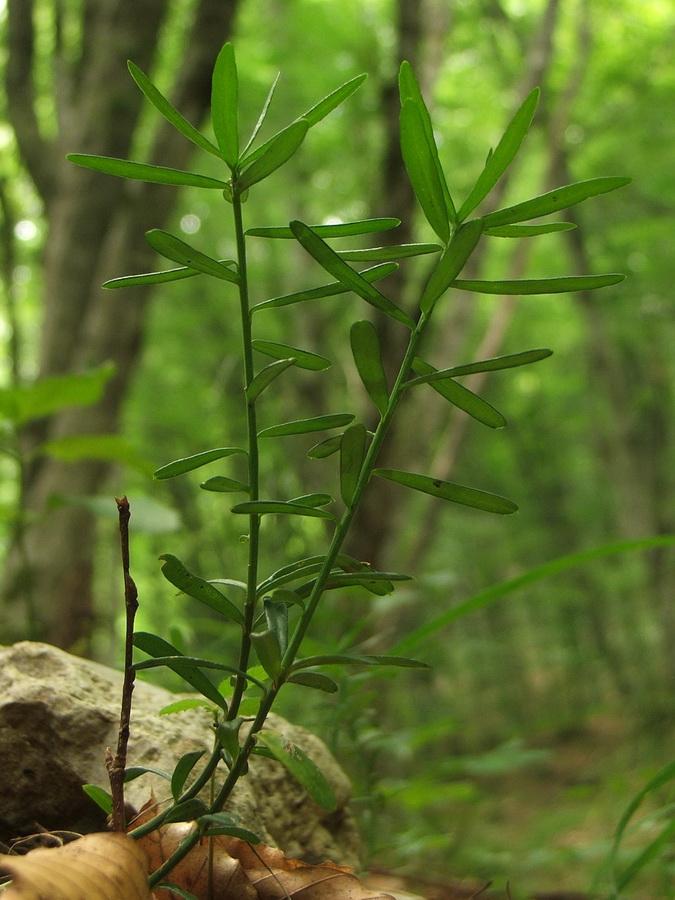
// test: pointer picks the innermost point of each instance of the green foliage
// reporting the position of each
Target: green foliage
(271, 620)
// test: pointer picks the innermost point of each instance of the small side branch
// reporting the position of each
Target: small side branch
(116, 765)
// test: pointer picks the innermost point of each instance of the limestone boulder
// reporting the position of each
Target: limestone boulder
(58, 713)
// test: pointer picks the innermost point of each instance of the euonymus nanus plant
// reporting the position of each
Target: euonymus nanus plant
(278, 607)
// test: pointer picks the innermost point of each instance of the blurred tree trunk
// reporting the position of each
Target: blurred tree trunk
(96, 228)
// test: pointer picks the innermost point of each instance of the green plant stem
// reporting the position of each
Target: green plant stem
(253, 461)
(344, 524)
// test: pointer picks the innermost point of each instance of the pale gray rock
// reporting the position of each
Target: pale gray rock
(58, 713)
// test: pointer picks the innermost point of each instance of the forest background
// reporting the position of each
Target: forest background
(545, 708)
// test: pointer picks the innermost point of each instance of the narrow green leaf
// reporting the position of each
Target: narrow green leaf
(446, 490)
(278, 150)
(224, 105)
(327, 290)
(175, 572)
(519, 231)
(164, 653)
(321, 109)
(265, 377)
(315, 680)
(101, 797)
(332, 659)
(162, 277)
(313, 500)
(560, 198)
(228, 737)
(332, 263)
(451, 263)
(334, 230)
(191, 665)
(564, 285)
(409, 89)
(428, 374)
(188, 463)
(231, 830)
(369, 579)
(385, 254)
(306, 426)
(365, 345)
(187, 811)
(276, 616)
(421, 161)
(184, 766)
(221, 484)
(300, 766)
(170, 113)
(326, 448)
(398, 662)
(266, 646)
(352, 454)
(262, 116)
(280, 507)
(134, 772)
(462, 398)
(126, 168)
(503, 155)
(179, 251)
(304, 359)
(182, 705)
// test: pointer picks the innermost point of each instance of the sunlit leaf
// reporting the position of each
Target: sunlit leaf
(519, 231)
(315, 680)
(224, 105)
(279, 150)
(181, 252)
(321, 109)
(332, 263)
(280, 507)
(409, 89)
(451, 263)
(300, 766)
(304, 359)
(384, 254)
(306, 426)
(447, 490)
(188, 463)
(221, 484)
(175, 572)
(352, 454)
(266, 645)
(163, 277)
(326, 448)
(184, 766)
(334, 230)
(181, 705)
(100, 797)
(365, 345)
(327, 290)
(462, 397)
(565, 285)
(265, 377)
(179, 122)
(125, 168)
(428, 374)
(560, 198)
(421, 161)
(503, 154)
(263, 115)
(166, 654)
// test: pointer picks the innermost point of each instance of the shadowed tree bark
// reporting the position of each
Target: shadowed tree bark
(96, 228)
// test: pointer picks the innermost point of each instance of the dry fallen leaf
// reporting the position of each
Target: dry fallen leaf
(237, 870)
(95, 867)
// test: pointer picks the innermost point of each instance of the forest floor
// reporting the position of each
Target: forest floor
(546, 830)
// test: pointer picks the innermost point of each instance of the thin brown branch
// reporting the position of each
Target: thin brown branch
(116, 765)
